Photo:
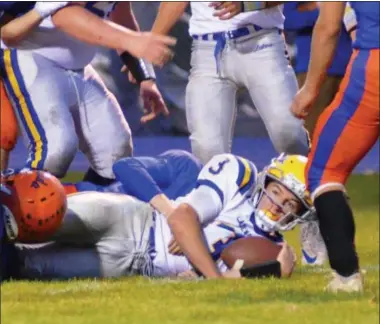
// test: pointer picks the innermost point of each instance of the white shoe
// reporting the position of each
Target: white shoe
(314, 251)
(353, 283)
(310, 258)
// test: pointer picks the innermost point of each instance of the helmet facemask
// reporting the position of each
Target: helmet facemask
(286, 219)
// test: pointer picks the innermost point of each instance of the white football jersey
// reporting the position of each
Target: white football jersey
(222, 200)
(61, 48)
(202, 20)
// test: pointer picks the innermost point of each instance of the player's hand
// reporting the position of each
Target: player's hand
(303, 101)
(234, 272)
(153, 48)
(226, 9)
(154, 104)
(189, 274)
(287, 259)
(174, 247)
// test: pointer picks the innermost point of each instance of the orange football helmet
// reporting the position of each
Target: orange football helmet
(34, 203)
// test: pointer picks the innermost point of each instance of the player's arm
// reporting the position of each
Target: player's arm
(141, 178)
(325, 36)
(123, 16)
(228, 9)
(168, 14)
(187, 231)
(81, 24)
(219, 181)
(14, 30)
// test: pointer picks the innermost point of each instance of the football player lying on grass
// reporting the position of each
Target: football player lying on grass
(104, 235)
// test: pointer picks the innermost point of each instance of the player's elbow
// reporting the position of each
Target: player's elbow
(64, 17)
(9, 38)
(328, 28)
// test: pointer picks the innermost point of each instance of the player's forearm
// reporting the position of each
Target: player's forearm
(18, 28)
(123, 15)
(323, 47)
(162, 204)
(187, 232)
(168, 14)
(89, 28)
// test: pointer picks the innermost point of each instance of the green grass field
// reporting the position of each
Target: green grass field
(298, 300)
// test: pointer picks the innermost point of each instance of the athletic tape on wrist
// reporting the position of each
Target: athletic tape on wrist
(140, 70)
(263, 270)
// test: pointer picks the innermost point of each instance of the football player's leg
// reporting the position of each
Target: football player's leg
(8, 128)
(272, 85)
(118, 227)
(105, 136)
(210, 105)
(57, 262)
(345, 132)
(41, 95)
(129, 247)
(8, 262)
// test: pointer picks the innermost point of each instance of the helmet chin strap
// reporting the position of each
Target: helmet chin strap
(261, 218)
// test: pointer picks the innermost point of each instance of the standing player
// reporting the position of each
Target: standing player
(345, 132)
(109, 235)
(23, 25)
(58, 96)
(245, 51)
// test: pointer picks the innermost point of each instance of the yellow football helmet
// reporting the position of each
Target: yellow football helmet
(289, 171)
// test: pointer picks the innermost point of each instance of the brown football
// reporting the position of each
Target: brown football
(252, 250)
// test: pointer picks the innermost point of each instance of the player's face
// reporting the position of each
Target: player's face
(279, 201)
